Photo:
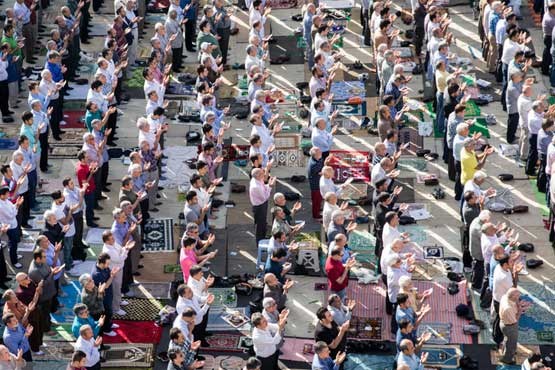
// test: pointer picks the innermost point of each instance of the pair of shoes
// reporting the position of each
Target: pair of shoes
(137, 273)
(115, 326)
(92, 225)
(154, 210)
(111, 333)
(140, 266)
(124, 303)
(7, 119)
(26, 226)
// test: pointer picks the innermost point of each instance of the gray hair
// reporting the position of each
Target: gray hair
(278, 196)
(84, 279)
(337, 214)
(141, 123)
(49, 213)
(268, 302)
(117, 212)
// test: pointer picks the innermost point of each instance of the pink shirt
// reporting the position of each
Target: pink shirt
(186, 260)
(259, 192)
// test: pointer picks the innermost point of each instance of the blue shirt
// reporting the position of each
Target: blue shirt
(407, 313)
(98, 138)
(38, 118)
(393, 90)
(191, 13)
(493, 23)
(78, 322)
(544, 139)
(119, 231)
(413, 361)
(325, 364)
(15, 339)
(322, 139)
(50, 253)
(101, 276)
(13, 74)
(400, 336)
(56, 71)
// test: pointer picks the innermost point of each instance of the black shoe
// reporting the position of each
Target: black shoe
(98, 208)
(193, 50)
(11, 112)
(96, 218)
(69, 88)
(204, 344)
(104, 347)
(140, 266)
(57, 138)
(137, 273)
(92, 225)
(7, 119)
(154, 210)
(158, 196)
(106, 190)
(102, 197)
(108, 183)
(26, 226)
(4, 286)
(62, 132)
(142, 256)
(160, 188)
(208, 334)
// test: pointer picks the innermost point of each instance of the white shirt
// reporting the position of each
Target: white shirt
(265, 341)
(509, 50)
(117, 254)
(524, 106)
(393, 276)
(253, 61)
(198, 287)
(73, 197)
(502, 281)
(8, 213)
(3, 72)
(378, 173)
(327, 186)
(183, 326)
(149, 137)
(534, 122)
(154, 86)
(501, 31)
(88, 346)
(265, 136)
(99, 99)
(389, 234)
(202, 195)
(17, 172)
(550, 159)
(487, 243)
(59, 211)
(327, 212)
(195, 304)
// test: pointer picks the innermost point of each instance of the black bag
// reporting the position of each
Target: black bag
(526, 247)
(292, 196)
(406, 220)
(486, 298)
(533, 263)
(462, 310)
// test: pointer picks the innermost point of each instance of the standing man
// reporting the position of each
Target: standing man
(510, 310)
(315, 165)
(89, 346)
(74, 197)
(85, 175)
(8, 216)
(223, 28)
(338, 273)
(259, 193)
(266, 338)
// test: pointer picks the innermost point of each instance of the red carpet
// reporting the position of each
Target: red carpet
(135, 332)
(74, 119)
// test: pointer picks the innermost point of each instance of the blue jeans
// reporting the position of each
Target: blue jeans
(68, 244)
(440, 112)
(309, 54)
(89, 208)
(33, 179)
(13, 240)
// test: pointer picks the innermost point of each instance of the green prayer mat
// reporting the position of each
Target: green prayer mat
(472, 109)
(480, 126)
(172, 269)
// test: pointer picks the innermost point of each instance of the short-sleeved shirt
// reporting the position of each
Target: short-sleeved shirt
(327, 335)
(468, 165)
(334, 270)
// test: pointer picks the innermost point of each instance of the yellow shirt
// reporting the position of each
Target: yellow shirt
(468, 165)
(441, 80)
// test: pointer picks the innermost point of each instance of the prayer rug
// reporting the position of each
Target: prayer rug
(365, 328)
(28, 239)
(444, 357)
(407, 195)
(480, 125)
(412, 164)
(282, 4)
(62, 152)
(86, 267)
(289, 158)
(158, 235)
(361, 241)
(152, 290)
(75, 119)
(287, 45)
(411, 136)
(172, 269)
(129, 355)
(227, 363)
(73, 294)
(233, 152)
(75, 104)
(539, 318)
(94, 235)
(79, 92)
(348, 164)
(223, 297)
(361, 361)
(297, 349)
(8, 144)
(472, 109)
(71, 137)
(51, 365)
(56, 351)
(140, 309)
(44, 202)
(371, 303)
(417, 234)
(441, 332)
(343, 90)
(62, 334)
(223, 343)
(216, 320)
(135, 332)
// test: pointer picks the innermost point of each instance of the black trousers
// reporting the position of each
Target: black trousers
(4, 96)
(546, 55)
(94, 367)
(458, 186)
(477, 274)
(43, 141)
(78, 250)
(3, 268)
(224, 34)
(512, 126)
(112, 123)
(260, 214)
(99, 186)
(542, 183)
(190, 27)
(56, 117)
(269, 363)
(532, 155)
(104, 172)
(199, 332)
(496, 328)
(177, 58)
(365, 28)
(127, 275)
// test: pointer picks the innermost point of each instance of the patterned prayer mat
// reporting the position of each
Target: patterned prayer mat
(343, 90)
(140, 310)
(135, 332)
(158, 235)
(223, 297)
(412, 164)
(73, 294)
(365, 328)
(75, 120)
(223, 343)
(417, 234)
(441, 332)
(361, 241)
(65, 151)
(129, 355)
(444, 356)
(56, 351)
(360, 361)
